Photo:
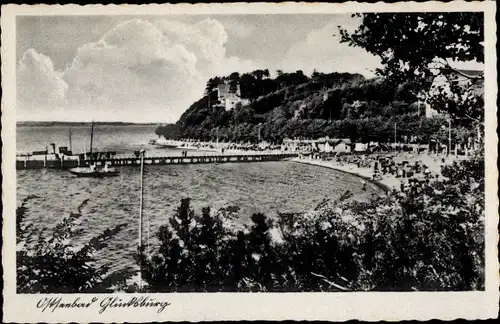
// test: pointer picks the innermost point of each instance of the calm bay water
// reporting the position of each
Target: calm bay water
(267, 187)
(120, 138)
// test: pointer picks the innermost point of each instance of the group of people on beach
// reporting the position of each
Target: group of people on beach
(403, 169)
(412, 175)
(415, 185)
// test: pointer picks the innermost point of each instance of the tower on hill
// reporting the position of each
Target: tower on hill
(229, 99)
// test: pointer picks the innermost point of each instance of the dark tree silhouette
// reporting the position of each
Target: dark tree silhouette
(441, 38)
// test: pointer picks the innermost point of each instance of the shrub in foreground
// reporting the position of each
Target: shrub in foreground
(431, 239)
(48, 262)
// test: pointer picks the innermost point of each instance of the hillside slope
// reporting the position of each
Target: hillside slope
(338, 105)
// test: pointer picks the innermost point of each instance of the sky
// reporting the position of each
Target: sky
(152, 68)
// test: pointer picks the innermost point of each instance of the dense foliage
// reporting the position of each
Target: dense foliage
(431, 239)
(169, 131)
(334, 105)
(48, 262)
(347, 105)
(294, 105)
(442, 38)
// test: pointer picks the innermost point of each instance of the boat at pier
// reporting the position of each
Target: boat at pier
(92, 171)
(164, 143)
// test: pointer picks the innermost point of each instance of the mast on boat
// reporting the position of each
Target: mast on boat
(70, 145)
(91, 137)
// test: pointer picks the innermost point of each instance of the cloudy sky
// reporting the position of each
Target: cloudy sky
(151, 68)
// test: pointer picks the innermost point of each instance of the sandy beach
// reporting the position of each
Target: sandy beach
(388, 182)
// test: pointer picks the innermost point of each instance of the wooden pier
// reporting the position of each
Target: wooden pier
(62, 163)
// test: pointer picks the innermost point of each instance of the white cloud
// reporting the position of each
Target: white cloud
(137, 71)
(143, 70)
(134, 71)
(206, 39)
(322, 50)
(238, 28)
(39, 86)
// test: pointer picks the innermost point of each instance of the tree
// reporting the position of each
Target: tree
(315, 75)
(191, 250)
(259, 75)
(211, 85)
(234, 80)
(248, 86)
(48, 262)
(441, 38)
(172, 131)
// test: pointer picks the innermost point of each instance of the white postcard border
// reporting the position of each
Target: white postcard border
(253, 306)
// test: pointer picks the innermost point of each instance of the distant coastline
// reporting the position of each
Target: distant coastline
(65, 123)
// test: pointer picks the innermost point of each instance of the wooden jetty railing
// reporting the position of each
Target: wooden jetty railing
(153, 160)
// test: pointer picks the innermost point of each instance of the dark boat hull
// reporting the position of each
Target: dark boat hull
(167, 146)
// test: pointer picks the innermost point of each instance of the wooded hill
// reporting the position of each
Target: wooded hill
(338, 105)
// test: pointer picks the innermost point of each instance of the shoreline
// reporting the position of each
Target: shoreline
(385, 187)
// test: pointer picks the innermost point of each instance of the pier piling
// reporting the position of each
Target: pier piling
(65, 162)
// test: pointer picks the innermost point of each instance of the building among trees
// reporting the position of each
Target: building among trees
(322, 145)
(452, 78)
(229, 96)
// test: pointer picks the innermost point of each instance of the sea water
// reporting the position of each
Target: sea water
(265, 187)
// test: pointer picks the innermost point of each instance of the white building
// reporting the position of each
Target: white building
(440, 82)
(323, 145)
(229, 99)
